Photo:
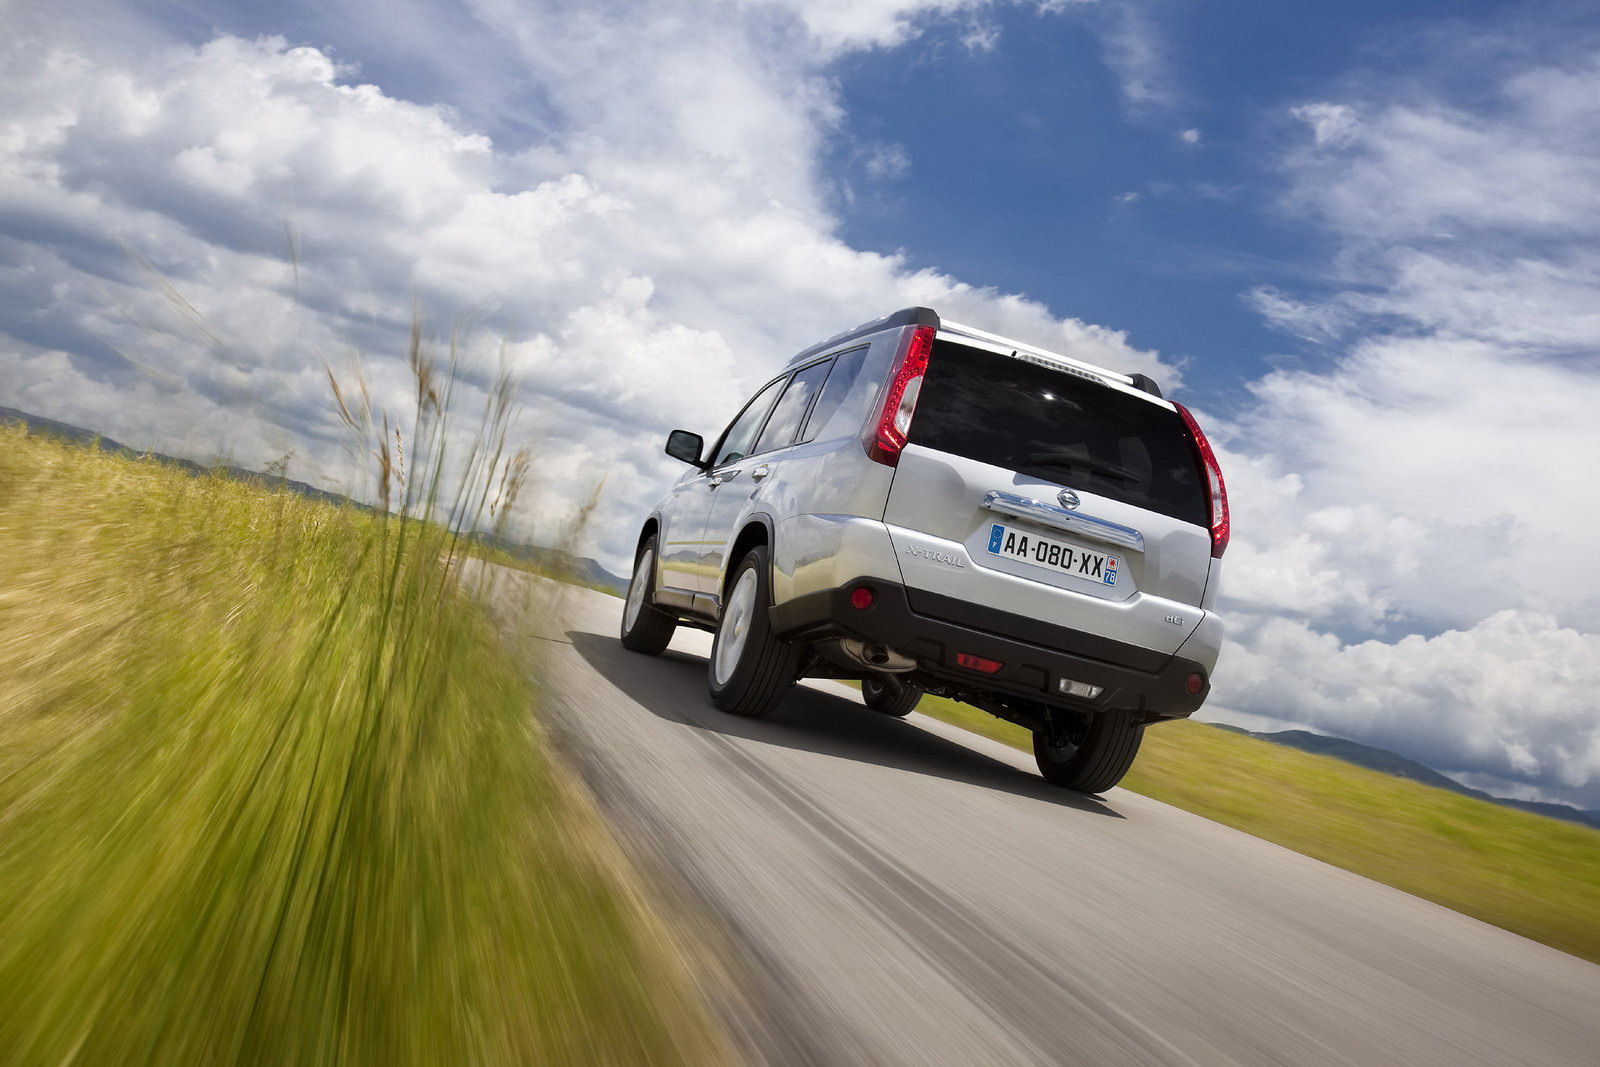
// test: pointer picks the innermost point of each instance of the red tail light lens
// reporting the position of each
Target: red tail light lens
(1216, 491)
(978, 663)
(900, 402)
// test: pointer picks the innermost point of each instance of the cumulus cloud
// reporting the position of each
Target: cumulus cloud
(648, 260)
(1510, 697)
(1411, 567)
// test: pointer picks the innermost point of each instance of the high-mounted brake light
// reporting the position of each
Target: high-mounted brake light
(900, 402)
(1216, 491)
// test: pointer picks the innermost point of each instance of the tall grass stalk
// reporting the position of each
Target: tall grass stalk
(270, 786)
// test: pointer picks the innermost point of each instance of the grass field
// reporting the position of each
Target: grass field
(1536, 876)
(271, 792)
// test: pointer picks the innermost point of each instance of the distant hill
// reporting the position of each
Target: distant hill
(559, 563)
(37, 424)
(555, 562)
(1381, 759)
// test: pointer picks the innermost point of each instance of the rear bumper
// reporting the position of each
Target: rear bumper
(1036, 656)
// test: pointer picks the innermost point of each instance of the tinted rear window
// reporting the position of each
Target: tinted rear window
(1051, 425)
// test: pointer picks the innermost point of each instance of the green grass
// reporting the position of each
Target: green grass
(271, 792)
(1533, 875)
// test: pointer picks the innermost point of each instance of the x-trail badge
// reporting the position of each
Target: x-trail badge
(1068, 498)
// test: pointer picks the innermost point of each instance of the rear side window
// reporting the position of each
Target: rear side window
(791, 408)
(736, 441)
(1051, 425)
(846, 369)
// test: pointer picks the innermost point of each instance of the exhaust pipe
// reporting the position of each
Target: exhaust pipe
(874, 656)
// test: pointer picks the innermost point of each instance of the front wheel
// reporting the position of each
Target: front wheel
(1098, 761)
(645, 628)
(750, 669)
(888, 695)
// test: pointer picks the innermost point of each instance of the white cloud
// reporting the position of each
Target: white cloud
(657, 254)
(887, 162)
(981, 36)
(1432, 479)
(1447, 695)
(1308, 321)
(1520, 167)
(1331, 125)
(1190, 136)
(1136, 52)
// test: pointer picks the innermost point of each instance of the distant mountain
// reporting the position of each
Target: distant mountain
(555, 562)
(561, 564)
(37, 424)
(1381, 759)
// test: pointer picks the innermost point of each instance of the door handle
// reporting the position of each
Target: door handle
(724, 476)
(761, 472)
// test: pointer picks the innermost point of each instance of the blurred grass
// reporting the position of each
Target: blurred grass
(1536, 876)
(271, 791)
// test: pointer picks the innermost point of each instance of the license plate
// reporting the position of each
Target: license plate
(1011, 543)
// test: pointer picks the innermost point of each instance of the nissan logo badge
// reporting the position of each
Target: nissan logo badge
(1068, 498)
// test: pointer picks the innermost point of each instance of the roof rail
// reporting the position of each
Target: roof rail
(916, 316)
(1044, 353)
(922, 316)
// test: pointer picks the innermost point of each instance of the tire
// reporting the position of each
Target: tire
(646, 629)
(1107, 751)
(888, 695)
(750, 669)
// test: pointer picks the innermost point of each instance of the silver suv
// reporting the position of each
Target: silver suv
(930, 508)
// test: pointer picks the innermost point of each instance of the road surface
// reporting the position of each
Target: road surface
(904, 892)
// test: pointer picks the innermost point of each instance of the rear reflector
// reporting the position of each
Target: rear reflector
(861, 598)
(900, 401)
(1216, 491)
(1194, 684)
(978, 663)
(1081, 690)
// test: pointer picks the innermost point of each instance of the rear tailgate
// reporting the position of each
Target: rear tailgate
(1036, 491)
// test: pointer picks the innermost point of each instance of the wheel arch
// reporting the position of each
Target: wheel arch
(651, 528)
(757, 530)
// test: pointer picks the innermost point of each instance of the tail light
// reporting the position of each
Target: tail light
(900, 402)
(1216, 491)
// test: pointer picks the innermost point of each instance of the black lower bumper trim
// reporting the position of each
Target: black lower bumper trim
(1035, 655)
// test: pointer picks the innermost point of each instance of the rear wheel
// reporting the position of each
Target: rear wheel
(750, 668)
(888, 695)
(645, 628)
(1102, 755)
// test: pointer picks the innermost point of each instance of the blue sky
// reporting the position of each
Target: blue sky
(1361, 240)
(1028, 168)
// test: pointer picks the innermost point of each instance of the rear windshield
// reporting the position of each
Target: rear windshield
(1051, 425)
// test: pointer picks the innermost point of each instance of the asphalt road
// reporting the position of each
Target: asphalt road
(903, 892)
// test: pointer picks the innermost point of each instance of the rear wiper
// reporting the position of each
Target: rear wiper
(1072, 462)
